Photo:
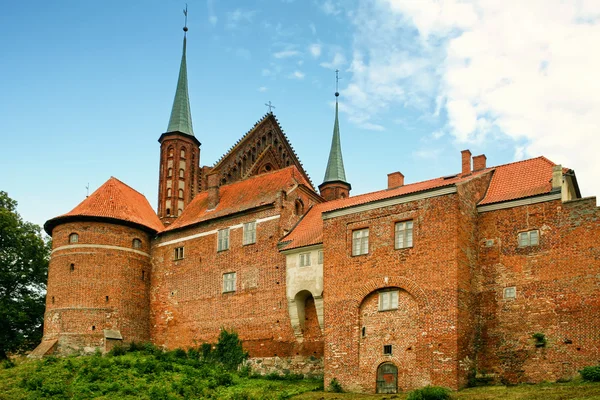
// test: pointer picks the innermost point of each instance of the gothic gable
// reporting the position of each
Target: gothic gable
(264, 148)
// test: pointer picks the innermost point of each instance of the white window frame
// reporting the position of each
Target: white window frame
(74, 238)
(360, 242)
(388, 300)
(304, 259)
(403, 237)
(529, 238)
(179, 253)
(320, 257)
(229, 282)
(249, 233)
(510, 293)
(223, 239)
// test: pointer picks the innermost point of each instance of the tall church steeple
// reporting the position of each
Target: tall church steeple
(179, 172)
(334, 184)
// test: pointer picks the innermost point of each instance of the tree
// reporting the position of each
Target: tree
(24, 255)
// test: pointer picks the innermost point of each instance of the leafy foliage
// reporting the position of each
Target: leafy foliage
(591, 374)
(24, 256)
(229, 351)
(540, 339)
(335, 386)
(430, 393)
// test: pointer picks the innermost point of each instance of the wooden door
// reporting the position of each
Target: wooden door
(387, 378)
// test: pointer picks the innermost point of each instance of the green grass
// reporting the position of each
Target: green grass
(152, 374)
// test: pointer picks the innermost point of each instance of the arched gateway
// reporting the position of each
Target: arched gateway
(387, 378)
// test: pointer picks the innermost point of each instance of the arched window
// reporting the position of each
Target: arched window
(179, 211)
(169, 192)
(170, 151)
(181, 172)
(73, 238)
(137, 243)
(168, 211)
(181, 193)
(170, 172)
(182, 153)
(299, 207)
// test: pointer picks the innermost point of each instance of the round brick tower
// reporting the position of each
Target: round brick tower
(99, 272)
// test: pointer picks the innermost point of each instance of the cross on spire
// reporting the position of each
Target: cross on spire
(337, 79)
(271, 106)
(185, 28)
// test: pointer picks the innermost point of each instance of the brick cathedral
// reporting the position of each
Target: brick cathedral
(494, 270)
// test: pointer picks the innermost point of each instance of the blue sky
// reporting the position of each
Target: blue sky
(87, 87)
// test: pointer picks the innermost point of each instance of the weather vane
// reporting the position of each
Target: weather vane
(270, 106)
(337, 78)
(185, 28)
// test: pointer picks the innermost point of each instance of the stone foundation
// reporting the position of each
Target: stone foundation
(310, 367)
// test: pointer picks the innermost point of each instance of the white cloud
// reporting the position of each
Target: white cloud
(239, 16)
(337, 61)
(427, 153)
(523, 69)
(296, 75)
(315, 49)
(262, 89)
(330, 7)
(286, 54)
(266, 72)
(212, 18)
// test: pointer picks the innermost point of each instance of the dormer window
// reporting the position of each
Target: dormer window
(73, 238)
(137, 243)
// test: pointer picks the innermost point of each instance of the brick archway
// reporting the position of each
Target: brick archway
(393, 281)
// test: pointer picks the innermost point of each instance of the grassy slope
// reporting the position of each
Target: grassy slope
(176, 376)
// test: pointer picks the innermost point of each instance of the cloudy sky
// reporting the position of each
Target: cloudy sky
(86, 87)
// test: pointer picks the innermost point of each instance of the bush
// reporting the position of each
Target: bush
(229, 351)
(118, 350)
(6, 364)
(540, 339)
(591, 374)
(430, 393)
(335, 386)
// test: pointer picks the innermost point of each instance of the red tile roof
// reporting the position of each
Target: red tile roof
(114, 200)
(509, 182)
(242, 195)
(520, 179)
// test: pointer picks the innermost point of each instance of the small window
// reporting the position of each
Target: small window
(388, 300)
(106, 298)
(529, 238)
(299, 205)
(489, 242)
(143, 275)
(169, 192)
(510, 292)
(404, 234)
(223, 240)
(304, 259)
(181, 172)
(52, 299)
(229, 282)
(170, 172)
(181, 193)
(178, 253)
(182, 153)
(72, 268)
(170, 152)
(168, 211)
(387, 349)
(360, 242)
(250, 232)
(137, 243)
(179, 212)
(364, 331)
(73, 238)
(320, 258)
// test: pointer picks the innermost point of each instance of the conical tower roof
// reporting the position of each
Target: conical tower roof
(335, 166)
(181, 115)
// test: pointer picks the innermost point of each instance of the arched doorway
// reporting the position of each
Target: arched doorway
(387, 378)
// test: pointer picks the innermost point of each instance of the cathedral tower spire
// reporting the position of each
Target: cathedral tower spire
(179, 151)
(334, 184)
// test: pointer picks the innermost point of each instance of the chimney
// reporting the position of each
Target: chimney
(213, 191)
(557, 177)
(479, 162)
(466, 162)
(395, 179)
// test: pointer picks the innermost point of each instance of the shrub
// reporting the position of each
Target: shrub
(591, 374)
(229, 351)
(245, 371)
(335, 386)
(540, 339)
(6, 364)
(430, 393)
(206, 351)
(118, 350)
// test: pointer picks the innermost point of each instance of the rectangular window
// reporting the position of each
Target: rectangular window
(305, 259)
(229, 282)
(529, 238)
(360, 242)
(387, 349)
(404, 234)
(510, 292)
(388, 300)
(250, 232)
(179, 253)
(320, 259)
(223, 240)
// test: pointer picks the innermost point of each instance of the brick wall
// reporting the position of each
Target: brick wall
(97, 284)
(557, 291)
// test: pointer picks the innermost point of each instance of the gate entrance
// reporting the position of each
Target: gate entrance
(387, 378)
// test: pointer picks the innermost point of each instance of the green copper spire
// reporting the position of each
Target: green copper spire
(181, 116)
(335, 165)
